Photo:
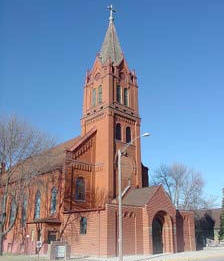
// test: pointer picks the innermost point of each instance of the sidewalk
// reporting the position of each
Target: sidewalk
(184, 256)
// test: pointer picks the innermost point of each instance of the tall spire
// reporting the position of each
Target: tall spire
(111, 48)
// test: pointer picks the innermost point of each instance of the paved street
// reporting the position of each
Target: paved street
(214, 259)
(209, 259)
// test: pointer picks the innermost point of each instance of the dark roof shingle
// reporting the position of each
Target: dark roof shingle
(111, 48)
(56, 155)
(139, 197)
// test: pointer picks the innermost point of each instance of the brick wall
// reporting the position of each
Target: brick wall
(94, 242)
(22, 239)
(132, 230)
(186, 231)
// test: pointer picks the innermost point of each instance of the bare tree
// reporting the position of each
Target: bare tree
(192, 191)
(162, 176)
(21, 158)
(183, 185)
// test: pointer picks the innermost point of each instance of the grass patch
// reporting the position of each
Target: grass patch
(21, 258)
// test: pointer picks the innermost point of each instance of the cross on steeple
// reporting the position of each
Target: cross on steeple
(111, 48)
(110, 7)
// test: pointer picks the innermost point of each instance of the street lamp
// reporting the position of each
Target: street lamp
(120, 236)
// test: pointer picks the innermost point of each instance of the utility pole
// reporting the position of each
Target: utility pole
(120, 218)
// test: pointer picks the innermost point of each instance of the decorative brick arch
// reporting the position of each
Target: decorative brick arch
(162, 233)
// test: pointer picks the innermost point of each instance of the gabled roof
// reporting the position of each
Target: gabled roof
(58, 153)
(53, 158)
(140, 197)
(44, 162)
(111, 48)
(82, 139)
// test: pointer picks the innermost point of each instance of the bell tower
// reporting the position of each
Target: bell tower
(110, 105)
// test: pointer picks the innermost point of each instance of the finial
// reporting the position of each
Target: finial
(110, 7)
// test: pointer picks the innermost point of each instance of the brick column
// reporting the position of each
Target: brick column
(174, 234)
(147, 233)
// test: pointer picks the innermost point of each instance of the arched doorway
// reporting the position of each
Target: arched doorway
(157, 236)
(162, 235)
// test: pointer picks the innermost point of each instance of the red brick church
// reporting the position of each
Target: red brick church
(77, 202)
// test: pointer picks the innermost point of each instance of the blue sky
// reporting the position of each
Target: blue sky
(175, 46)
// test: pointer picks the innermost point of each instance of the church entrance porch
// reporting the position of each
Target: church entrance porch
(162, 233)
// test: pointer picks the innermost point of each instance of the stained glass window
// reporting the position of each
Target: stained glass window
(53, 200)
(24, 209)
(83, 225)
(37, 205)
(80, 189)
(12, 212)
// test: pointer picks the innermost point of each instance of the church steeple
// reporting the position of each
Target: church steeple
(110, 107)
(111, 48)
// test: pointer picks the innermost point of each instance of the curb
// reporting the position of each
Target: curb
(190, 257)
(187, 258)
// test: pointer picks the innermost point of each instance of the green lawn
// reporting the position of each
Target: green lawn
(21, 258)
(26, 258)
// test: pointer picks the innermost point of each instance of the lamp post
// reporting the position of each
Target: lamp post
(120, 230)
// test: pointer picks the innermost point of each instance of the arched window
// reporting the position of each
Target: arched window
(126, 96)
(80, 189)
(83, 225)
(119, 93)
(12, 212)
(94, 97)
(128, 134)
(37, 205)
(53, 200)
(100, 94)
(23, 216)
(132, 78)
(118, 131)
